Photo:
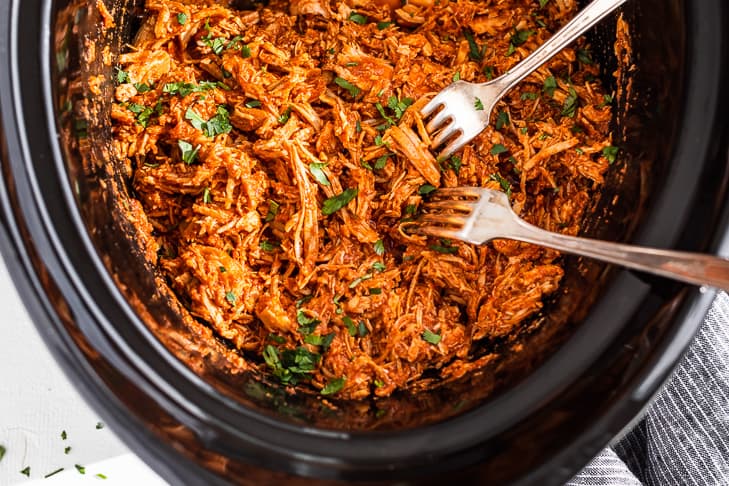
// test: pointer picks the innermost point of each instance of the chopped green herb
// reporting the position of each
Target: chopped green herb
(523, 130)
(99, 426)
(3, 450)
(543, 136)
(285, 116)
(351, 328)
(411, 209)
(303, 300)
(101, 476)
(520, 36)
(323, 341)
(222, 269)
(184, 89)
(181, 18)
(273, 208)
(543, 3)
(64, 436)
(188, 153)
(379, 247)
(579, 151)
(359, 280)
(381, 412)
(122, 77)
(375, 291)
(399, 106)
(307, 324)
(335, 203)
(457, 76)
(383, 25)
(362, 329)
(489, 72)
(26, 471)
(455, 163)
(80, 469)
(354, 91)
(358, 18)
(583, 55)
(431, 337)
(610, 153)
(217, 125)
(475, 53)
(268, 246)
(570, 104)
(378, 383)
(445, 246)
(378, 138)
(502, 120)
(529, 96)
(316, 170)
(381, 162)
(478, 104)
(252, 104)
(498, 149)
(53, 473)
(144, 113)
(207, 198)
(425, 189)
(290, 366)
(230, 297)
(276, 338)
(142, 87)
(379, 267)
(505, 185)
(606, 100)
(333, 386)
(245, 51)
(358, 126)
(550, 86)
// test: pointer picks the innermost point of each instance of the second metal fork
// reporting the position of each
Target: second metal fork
(468, 106)
(477, 215)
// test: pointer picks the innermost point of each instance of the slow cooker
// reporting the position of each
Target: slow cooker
(592, 360)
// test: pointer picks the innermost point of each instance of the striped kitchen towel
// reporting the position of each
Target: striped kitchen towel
(683, 439)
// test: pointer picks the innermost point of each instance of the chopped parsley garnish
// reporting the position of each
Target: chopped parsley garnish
(290, 365)
(383, 25)
(64, 436)
(445, 246)
(431, 337)
(333, 386)
(252, 104)
(351, 327)
(505, 185)
(399, 106)
(80, 469)
(384, 115)
(379, 267)
(489, 72)
(276, 338)
(454, 163)
(570, 104)
(222, 269)
(188, 152)
(518, 38)
(217, 125)
(359, 280)
(273, 208)
(144, 113)
(606, 100)
(285, 116)
(316, 170)
(358, 18)
(184, 89)
(362, 329)
(245, 51)
(230, 297)
(53, 473)
(550, 86)
(3, 450)
(502, 120)
(475, 53)
(529, 96)
(478, 104)
(101, 476)
(142, 87)
(268, 246)
(181, 18)
(425, 189)
(26, 471)
(99, 426)
(381, 161)
(379, 247)
(324, 341)
(354, 91)
(543, 3)
(307, 324)
(375, 291)
(498, 149)
(610, 153)
(583, 55)
(457, 76)
(303, 300)
(378, 383)
(207, 198)
(122, 77)
(378, 138)
(335, 203)
(67, 450)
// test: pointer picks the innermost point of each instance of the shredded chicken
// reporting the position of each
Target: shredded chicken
(278, 152)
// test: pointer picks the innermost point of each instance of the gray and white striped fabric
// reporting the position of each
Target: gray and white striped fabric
(683, 439)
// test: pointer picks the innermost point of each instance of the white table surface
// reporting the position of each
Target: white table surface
(37, 403)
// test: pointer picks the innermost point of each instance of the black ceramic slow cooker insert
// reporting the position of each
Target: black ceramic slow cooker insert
(596, 355)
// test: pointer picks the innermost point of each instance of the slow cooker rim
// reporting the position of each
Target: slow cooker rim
(30, 273)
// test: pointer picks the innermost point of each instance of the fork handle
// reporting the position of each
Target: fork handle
(693, 268)
(583, 21)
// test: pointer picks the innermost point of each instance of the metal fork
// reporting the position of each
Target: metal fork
(477, 215)
(468, 105)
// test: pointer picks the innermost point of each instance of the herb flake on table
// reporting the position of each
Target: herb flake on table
(53, 473)
(64, 435)
(25, 471)
(99, 426)
(3, 450)
(101, 476)
(80, 469)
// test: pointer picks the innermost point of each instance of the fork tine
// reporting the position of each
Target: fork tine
(431, 106)
(461, 191)
(443, 219)
(454, 145)
(440, 118)
(450, 205)
(446, 134)
(438, 232)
